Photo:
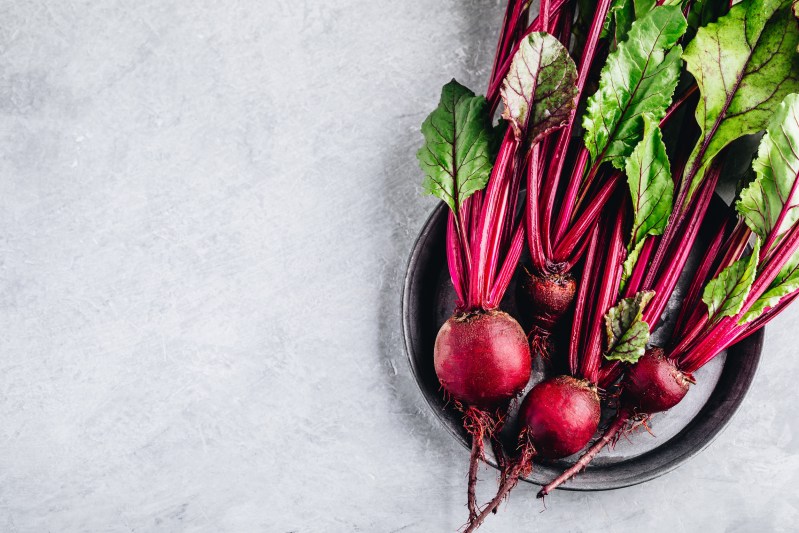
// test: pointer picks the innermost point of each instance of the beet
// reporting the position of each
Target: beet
(558, 418)
(545, 299)
(561, 415)
(654, 383)
(482, 359)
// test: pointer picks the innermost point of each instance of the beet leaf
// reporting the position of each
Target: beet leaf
(639, 77)
(786, 282)
(620, 18)
(744, 66)
(770, 204)
(726, 294)
(540, 90)
(626, 331)
(456, 155)
(651, 189)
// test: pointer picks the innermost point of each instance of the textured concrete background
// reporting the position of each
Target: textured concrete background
(205, 213)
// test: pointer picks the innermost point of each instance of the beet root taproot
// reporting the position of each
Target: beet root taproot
(543, 300)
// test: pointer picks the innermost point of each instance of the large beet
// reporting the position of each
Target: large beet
(482, 359)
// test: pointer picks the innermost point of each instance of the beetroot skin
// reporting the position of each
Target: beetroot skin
(654, 383)
(561, 415)
(482, 359)
(545, 299)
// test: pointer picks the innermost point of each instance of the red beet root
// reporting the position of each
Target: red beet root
(545, 299)
(561, 415)
(654, 383)
(482, 359)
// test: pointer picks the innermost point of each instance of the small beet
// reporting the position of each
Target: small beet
(545, 299)
(654, 383)
(651, 385)
(482, 359)
(561, 415)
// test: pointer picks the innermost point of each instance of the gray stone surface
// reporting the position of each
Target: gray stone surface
(205, 214)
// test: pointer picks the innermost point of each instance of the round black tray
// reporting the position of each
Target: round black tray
(680, 433)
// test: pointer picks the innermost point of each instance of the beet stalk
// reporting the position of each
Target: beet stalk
(613, 120)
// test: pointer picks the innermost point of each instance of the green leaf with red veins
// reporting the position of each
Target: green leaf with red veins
(627, 333)
(651, 190)
(774, 195)
(786, 282)
(456, 155)
(631, 260)
(632, 345)
(540, 90)
(725, 294)
(744, 64)
(639, 77)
